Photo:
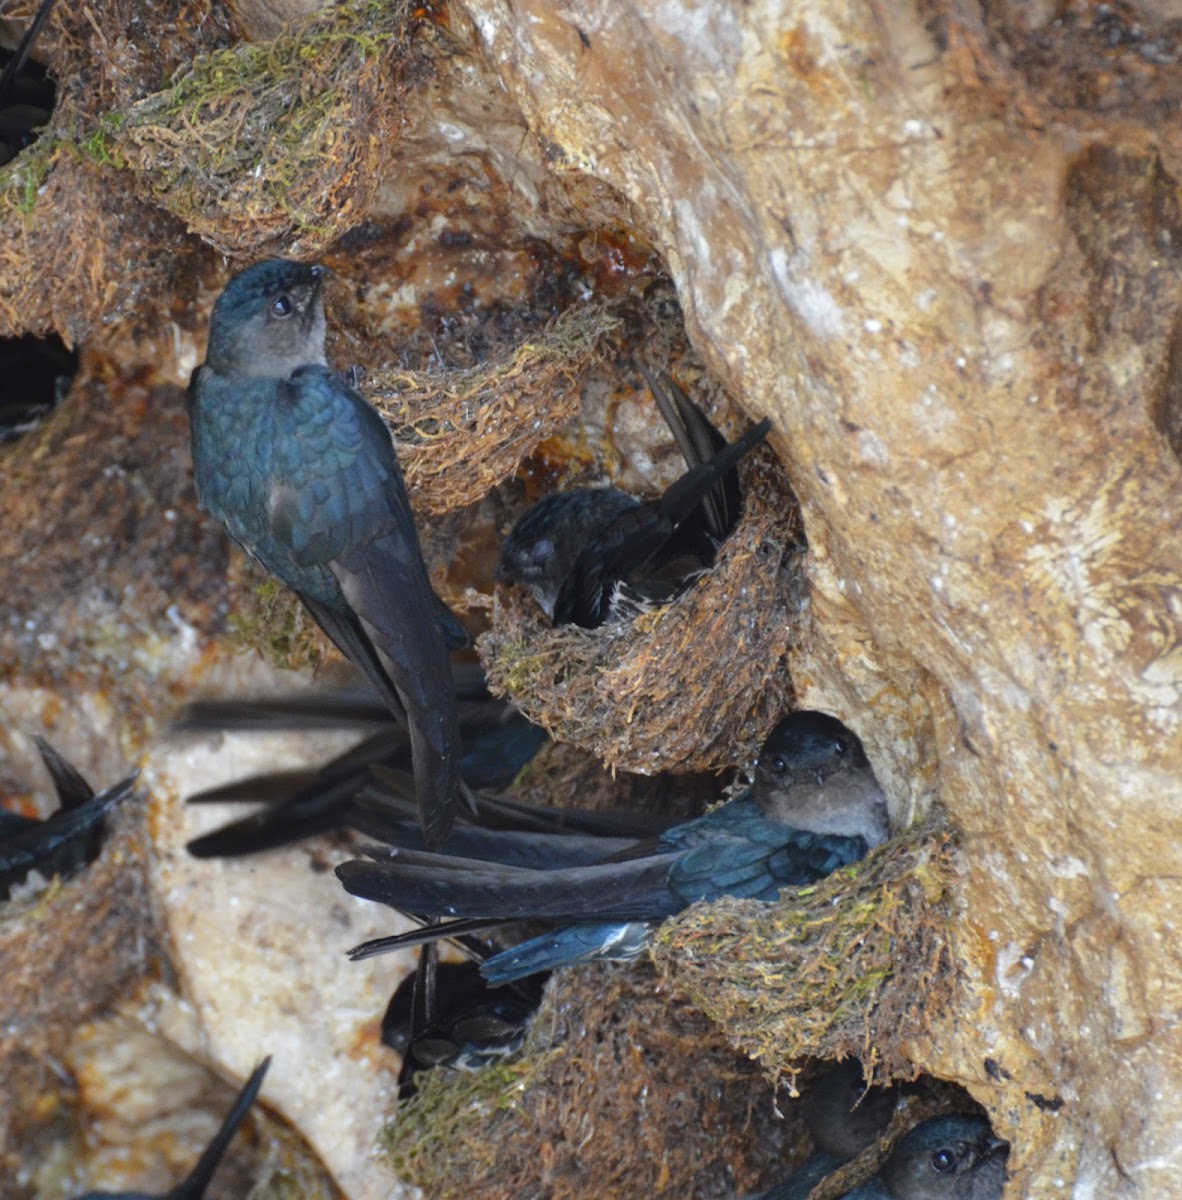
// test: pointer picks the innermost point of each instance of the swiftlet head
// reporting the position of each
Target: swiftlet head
(269, 321)
(807, 747)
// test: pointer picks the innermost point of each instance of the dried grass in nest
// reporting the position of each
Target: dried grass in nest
(462, 432)
(693, 686)
(850, 966)
(78, 247)
(621, 1090)
(259, 144)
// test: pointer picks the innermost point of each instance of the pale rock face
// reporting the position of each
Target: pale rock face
(869, 249)
(259, 946)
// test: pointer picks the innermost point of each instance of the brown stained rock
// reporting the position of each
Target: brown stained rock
(882, 245)
(68, 953)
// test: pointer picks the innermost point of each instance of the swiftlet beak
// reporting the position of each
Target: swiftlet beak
(318, 272)
(995, 1147)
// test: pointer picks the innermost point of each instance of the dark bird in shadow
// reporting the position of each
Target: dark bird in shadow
(608, 909)
(302, 474)
(193, 1186)
(26, 95)
(945, 1158)
(448, 1015)
(844, 1117)
(67, 840)
(593, 555)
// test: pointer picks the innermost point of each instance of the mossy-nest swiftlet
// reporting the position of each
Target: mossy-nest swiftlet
(691, 686)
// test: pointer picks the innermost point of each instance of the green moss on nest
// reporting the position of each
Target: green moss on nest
(849, 966)
(461, 432)
(22, 179)
(258, 143)
(621, 1090)
(271, 620)
(642, 695)
(451, 1100)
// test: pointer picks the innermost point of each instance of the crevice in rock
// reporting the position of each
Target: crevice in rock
(37, 374)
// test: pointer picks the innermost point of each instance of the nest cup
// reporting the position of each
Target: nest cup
(621, 1090)
(461, 432)
(849, 966)
(694, 685)
(259, 144)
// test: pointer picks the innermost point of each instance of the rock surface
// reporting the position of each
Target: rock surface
(957, 299)
(940, 247)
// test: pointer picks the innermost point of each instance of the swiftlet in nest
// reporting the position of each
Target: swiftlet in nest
(594, 555)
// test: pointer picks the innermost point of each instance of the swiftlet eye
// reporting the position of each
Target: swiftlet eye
(779, 765)
(282, 307)
(839, 748)
(943, 1161)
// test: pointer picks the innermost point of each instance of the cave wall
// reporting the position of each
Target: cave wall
(939, 247)
(955, 293)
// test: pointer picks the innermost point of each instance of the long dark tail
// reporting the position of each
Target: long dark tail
(39, 844)
(438, 886)
(698, 442)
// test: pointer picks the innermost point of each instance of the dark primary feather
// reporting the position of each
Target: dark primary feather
(698, 442)
(343, 708)
(72, 790)
(592, 555)
(194, 1185)
(733, 850)
(302, 473)
(368, 789)
(61, 843)
(500, 741)
(24, 47)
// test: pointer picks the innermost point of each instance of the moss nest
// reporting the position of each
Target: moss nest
(621, 1090)
(692, 686)
(68, 952)
(268, 617)
(461, 432)
(80, 250)
(850, 966)
(260, 144)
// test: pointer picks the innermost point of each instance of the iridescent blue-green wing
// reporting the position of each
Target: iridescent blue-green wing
(338, 503)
